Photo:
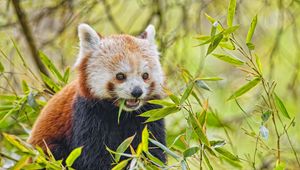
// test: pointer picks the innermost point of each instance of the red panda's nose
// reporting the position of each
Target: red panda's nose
(137, 92)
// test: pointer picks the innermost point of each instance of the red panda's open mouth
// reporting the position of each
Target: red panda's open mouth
(132, 103)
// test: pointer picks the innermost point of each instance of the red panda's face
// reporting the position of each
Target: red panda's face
(120, 67)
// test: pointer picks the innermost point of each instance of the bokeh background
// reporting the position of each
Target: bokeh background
(51, 27)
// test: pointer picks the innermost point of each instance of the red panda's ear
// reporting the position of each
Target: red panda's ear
(149, 34)
(89, 40)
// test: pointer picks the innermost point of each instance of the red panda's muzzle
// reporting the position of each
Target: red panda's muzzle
(132, 103)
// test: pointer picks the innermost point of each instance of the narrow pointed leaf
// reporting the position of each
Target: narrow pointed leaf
(161, 113)
(258, 63)
(49, 64)
(154, 159)
(25, 87)
(229, 59)
(227, 154)
(73, 156)
(187, 92)
(198, 129)
(190, 151)
(251, 30)
(279, 104)
(123, 146)
(121, 165)
(66, 75)
(207, 161)
(203, 37)
(122, 103)
(209, 78)
(245, 88)
(213, 20)
(231, 12)
(213, 45)
(265, 116)
(202, 85)
(217, 143)
(231, 29)
(161, 102)
(50, 83)
(164, 148)
(145, 137)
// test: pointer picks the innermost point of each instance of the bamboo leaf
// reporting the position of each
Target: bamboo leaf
(49, 64)
(250, 46)
(203, 37)
(198, 129)
(66, 75)
(213, 20)
(50, 83)
(227, 154)
(202, 85)
(217, 143)
(154, 159)
(32, 166)
(25, 87)
(145, 137)
(207, 161)
(161, 113)
(265, 116)
(227, 45)
(21, 163)
(258, 63)
(245, 88)
(121, 154)
(209, 78)
(122, 147)
(279, 104)
(213, 45)
(251, 30)
(161, 102)
(164, 148)
(73, 156)
(8, 97)
(122, 103)
(187, 92)
(190, 151)
(121, 165)
(15, 141)
(231, 12)
(230, 29)
(229, 59)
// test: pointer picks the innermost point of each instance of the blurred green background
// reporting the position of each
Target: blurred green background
(53, 28)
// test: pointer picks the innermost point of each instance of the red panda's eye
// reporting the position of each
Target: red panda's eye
(145, 76)
(120, 76)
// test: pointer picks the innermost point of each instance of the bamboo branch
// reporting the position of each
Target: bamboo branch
(29, 37)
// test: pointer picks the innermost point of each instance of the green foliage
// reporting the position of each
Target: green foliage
(251, 32)
(245, 88)
(231, 12)
(73, 156)
(229, 59)
(201, 133)
(279, 104)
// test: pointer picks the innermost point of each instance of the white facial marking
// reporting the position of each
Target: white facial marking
(103, 65)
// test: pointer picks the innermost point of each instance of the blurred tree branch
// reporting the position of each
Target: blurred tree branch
(28, 36)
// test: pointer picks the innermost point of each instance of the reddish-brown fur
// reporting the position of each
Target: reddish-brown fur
(54, 122)
(83, 87)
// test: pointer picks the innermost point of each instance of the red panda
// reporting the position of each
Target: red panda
(85, 112)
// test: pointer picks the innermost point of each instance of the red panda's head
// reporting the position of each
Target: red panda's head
(119, 67)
